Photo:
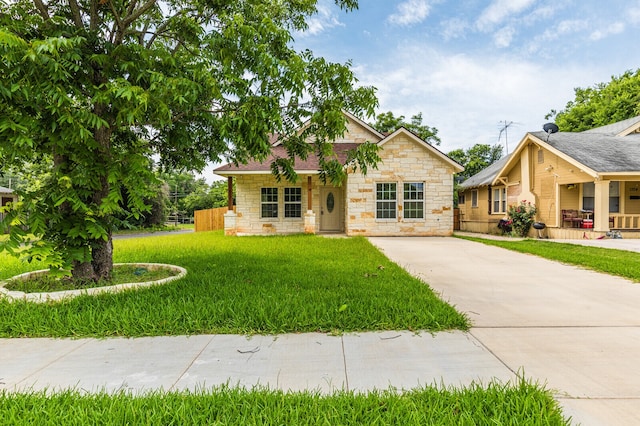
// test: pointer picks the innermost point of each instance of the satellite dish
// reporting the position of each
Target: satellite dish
(550, 128)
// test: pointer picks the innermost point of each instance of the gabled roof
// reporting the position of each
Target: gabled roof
(486, 176)
(5, 190)
(611, 149)
(312, 164)
(599, 152)
(621, 128)
(402, 130)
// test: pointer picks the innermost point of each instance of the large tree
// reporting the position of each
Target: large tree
(387, 122)
(94, 87)
(602, 104)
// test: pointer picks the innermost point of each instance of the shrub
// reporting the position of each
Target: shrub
(522, 217)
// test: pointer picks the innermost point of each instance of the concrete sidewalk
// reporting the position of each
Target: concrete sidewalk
(578, 331)
(356, 362)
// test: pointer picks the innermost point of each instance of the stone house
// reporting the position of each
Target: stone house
(410, 193)
(583, 184)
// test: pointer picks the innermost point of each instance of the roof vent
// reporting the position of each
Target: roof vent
(550, 128)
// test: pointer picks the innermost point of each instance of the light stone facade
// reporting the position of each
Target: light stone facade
(403, 161)
(248, 220)
(351, 208)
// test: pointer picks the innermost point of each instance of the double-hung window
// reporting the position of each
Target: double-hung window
(499, 200)
(268, 202)
(293, 202)
(474, 198)
(413, 200)
(386, 200)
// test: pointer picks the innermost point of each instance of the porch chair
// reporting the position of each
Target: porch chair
(571, 217)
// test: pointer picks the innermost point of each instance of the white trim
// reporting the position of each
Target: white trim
(394, 201)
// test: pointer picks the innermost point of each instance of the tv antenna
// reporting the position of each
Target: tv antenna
(504, 125)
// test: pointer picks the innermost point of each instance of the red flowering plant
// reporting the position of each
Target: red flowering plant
(522, 217)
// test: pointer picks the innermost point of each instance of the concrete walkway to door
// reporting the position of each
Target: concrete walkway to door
(574, 330)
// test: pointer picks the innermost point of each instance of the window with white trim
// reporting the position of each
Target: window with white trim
(293, 202)
(474, 198)
(268, 202)
(386, 200)
(413, 195)
(499, 200)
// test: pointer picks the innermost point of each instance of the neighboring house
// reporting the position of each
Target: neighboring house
(6, 196)
(410, 193)
(582, 184)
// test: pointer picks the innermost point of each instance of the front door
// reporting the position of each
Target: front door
(330, 209)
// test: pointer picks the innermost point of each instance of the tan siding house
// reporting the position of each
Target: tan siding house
(583, 184)
(410, 193)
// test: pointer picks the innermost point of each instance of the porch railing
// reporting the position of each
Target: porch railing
(624, 221)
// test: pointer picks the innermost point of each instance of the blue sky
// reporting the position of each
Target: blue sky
(470, 66)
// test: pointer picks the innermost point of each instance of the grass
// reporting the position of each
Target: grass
(122, 274)
(495, 404)
(242, 285)
(621, 263)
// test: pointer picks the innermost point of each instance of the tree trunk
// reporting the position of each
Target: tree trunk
(103, 258)
(100, 265)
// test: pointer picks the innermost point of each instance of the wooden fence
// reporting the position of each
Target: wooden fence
(210, 220)
(456, 219)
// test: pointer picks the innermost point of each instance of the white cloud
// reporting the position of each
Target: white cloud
(410, 12)
(562, 29)
(502, 38)
(499, 11)
(453, 28)
(466, 97)
(325, 19)
(615, 28)
(633, 14)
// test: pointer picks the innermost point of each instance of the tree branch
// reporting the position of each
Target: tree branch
(135, 15)
(75, 12)
(42, 8)
(93, 24)
(118, 22)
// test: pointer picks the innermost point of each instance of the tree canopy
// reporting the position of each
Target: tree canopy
(387, 122)
(476, 158)
(93, 88)
(602, 104)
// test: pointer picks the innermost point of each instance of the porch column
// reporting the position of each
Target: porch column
(309, 216)
(526, 172)
(601, 206)
(230, 193)
(230, 225)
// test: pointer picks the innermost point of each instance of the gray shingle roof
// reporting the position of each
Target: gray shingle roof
(600, 152)
(615, 128)
(5, 190)
(485, 176)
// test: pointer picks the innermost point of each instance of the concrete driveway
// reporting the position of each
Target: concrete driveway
(574, 330)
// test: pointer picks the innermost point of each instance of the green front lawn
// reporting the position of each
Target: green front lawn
(242, 285)
(622, 263)
(495, 404)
